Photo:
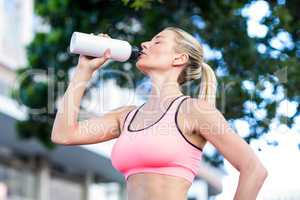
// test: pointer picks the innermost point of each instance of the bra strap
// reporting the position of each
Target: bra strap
(175, 104)
(128, 117)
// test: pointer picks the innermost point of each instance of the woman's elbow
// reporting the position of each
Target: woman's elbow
(260, 169)
(261, 175)
(61, 141)
(262, 172)
(61, 135)
(56, 138)
(257, 169)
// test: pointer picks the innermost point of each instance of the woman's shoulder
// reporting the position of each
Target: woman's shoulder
(194, 105)
(124, 111)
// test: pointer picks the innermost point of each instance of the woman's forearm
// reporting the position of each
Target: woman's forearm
(250, 182)
(65, 123)
(67, 114)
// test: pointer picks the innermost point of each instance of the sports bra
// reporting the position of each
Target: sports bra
(159, 148)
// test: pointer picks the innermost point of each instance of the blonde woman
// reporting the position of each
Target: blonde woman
(159, 144)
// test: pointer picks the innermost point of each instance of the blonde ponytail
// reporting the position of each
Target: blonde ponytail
(208, 85)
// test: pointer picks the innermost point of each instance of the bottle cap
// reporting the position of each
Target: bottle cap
(135, 52)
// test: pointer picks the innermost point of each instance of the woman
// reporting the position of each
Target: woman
(160, 143)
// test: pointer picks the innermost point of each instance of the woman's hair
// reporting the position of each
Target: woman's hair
(196, 67)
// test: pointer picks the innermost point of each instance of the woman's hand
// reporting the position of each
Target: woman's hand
(90, 64)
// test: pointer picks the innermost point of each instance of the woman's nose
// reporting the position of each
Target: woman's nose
(144, 45)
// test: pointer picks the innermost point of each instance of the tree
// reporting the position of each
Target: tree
(219, 24)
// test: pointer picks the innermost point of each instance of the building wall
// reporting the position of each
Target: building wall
(7, 80)
(18, 183)
(30, 180)
(16, 19)
(61, 188)
(16, 180)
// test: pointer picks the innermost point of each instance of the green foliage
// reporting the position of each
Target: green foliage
(224, 30)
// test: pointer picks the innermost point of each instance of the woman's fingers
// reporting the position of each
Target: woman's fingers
(97, 62)
(102, 35)
(107, 54)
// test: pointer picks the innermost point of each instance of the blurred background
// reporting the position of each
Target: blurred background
(253, 46)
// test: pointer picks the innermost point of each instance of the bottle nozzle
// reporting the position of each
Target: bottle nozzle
(135, 53)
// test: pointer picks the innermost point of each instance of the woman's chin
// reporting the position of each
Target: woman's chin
(140, 63)
(141, 67)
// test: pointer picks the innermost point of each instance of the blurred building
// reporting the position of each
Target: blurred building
(29, 171)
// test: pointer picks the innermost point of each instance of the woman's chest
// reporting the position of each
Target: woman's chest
(151, 147)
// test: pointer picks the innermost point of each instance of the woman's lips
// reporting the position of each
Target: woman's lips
(142, 54)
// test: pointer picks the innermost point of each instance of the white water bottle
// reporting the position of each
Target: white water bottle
(95, 46)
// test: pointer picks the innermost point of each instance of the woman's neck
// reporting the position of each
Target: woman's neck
(161, 99)
(164, 88)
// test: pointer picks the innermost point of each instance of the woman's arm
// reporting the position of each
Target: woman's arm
(66, 128)
(211, 124)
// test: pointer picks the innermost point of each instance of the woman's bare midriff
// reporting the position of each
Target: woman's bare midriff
(153, 186)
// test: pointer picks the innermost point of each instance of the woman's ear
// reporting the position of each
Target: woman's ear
(180, 59)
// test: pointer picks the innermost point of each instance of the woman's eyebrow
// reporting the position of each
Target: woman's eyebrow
(158, 36)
